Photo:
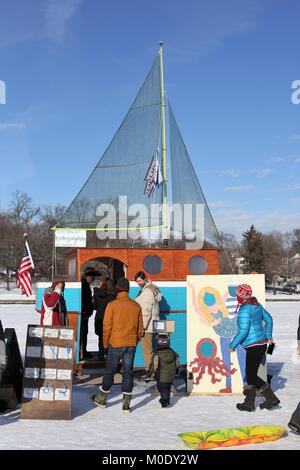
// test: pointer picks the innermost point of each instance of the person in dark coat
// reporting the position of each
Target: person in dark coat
(165, 365)
(103, 294)
(87, 309)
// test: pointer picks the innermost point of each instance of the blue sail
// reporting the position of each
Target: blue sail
(122, 169)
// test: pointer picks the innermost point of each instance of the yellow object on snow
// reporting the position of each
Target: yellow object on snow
(232, 437)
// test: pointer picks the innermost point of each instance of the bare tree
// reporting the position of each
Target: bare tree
(230, 251)
(273, 245)
(22, 209)
(11, 245)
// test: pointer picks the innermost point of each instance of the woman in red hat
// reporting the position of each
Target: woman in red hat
(255, 326)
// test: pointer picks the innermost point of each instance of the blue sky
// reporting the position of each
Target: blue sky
(73, 67)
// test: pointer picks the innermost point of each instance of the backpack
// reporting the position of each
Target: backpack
(165, 363)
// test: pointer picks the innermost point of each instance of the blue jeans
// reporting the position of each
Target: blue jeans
(225, 345)
(114, 356)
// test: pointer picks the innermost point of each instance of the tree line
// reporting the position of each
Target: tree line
(268, 253)
(24, 216)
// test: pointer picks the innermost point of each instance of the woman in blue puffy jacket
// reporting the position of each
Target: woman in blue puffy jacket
(255, 326)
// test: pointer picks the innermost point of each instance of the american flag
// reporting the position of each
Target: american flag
(24, 273)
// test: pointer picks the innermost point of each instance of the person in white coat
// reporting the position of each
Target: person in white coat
(148, 298)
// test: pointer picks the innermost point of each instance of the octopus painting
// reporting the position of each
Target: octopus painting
(220, 313)
(207, 361)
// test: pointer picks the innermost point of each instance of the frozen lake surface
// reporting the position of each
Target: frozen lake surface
(149, 426)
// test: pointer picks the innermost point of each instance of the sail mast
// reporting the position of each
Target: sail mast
(164, 146)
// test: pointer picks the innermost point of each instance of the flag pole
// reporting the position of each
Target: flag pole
(28, 249)
(164, 148)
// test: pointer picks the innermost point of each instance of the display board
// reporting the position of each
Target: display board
(211, 325)
(48, 371)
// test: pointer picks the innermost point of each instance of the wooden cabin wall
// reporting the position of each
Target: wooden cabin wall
(175, 262)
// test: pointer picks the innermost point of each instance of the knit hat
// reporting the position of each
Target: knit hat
(163, 340)
(90, 271)
(123, 284)
(244, 292)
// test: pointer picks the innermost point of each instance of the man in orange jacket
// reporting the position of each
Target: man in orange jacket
(122, 330)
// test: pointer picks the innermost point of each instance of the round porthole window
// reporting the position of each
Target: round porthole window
(198, 265)
(153, 264)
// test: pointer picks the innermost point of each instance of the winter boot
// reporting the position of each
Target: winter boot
(144, 376)
(164, 403)
(126, 402)
(249, 403)
(100, 399)
(271, 400)
(150, 377)
(294, 423)
(295, 428)
(298, 348)
(147, 376)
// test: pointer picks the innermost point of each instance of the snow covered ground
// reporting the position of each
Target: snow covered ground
(149, 426)
(14, 293)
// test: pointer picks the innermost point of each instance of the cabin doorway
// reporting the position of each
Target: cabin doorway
(111, 268)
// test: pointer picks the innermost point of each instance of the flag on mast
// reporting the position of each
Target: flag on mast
(154, 176)
(24, 273)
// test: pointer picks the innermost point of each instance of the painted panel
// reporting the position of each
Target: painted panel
(211, 325)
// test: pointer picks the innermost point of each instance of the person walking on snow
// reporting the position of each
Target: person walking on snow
(122, 330)
(255, 326)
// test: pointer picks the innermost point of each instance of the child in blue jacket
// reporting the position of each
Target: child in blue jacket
(255, 326)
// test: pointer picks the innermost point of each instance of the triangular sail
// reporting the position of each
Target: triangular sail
(124, 164)
(186, 188)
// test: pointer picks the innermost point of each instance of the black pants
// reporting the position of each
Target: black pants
(99, 332)
(165, 391)
(298, 333)
(84, 329)
(254, 356)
